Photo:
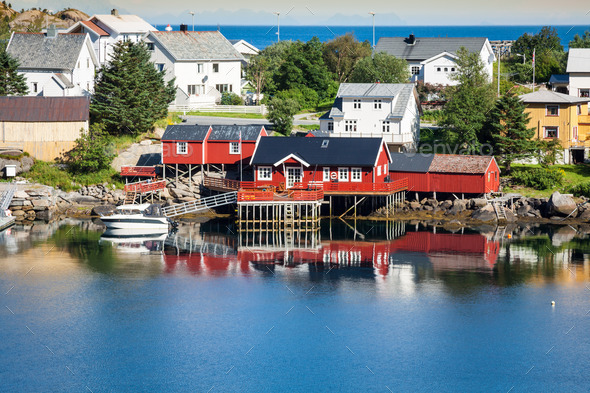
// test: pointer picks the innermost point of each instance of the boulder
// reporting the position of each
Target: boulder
(146, 142)
(415, 205)
(102, 210)
(459, 206)
(446, 204)
(20, 195)
(18, 213)
(41, 204)
(523, 210)
(478, 203)
(485, 214)
(561, 204)
(585, 215)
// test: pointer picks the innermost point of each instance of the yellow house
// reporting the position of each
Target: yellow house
(561, 116)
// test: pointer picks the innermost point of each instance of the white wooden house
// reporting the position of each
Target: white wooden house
(204, 63)
(578, 69)
(55, 65)
(433, 59)
(384, 110)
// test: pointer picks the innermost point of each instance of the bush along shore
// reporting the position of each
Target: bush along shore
(555, 209)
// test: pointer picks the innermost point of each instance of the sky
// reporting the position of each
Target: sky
(336, 12)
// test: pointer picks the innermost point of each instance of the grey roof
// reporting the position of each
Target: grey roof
(360, 152)
(401, 102)
(197, 45)
(376, 90)
(64, 80)
(551, 97)
(427, 47)
(416, 162)
(183, 132)
(578, 60)
(35, 51)
(232, 132)
(559, 78)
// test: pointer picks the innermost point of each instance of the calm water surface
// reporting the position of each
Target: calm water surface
(371, 308)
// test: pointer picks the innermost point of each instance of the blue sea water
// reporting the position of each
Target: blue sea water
(262, 36)
(444, 312)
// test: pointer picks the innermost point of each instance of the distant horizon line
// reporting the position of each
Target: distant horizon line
(370, 25)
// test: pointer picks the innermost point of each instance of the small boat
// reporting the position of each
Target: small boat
(135, 240)
(144, 216)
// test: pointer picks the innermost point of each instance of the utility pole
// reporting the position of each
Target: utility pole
(278, 14)
(193, 15)
(373, 14)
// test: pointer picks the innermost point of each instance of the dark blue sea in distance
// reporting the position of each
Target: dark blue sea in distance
(262, 36)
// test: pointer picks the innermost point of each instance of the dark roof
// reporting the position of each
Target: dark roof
(232, 132)
(44, 109)
(415, 162)
(183, 132)
(360, 152)
(36, 51)
(559, 78)
(456, 163)
(427, 47)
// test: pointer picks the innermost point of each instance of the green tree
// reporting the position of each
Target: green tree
(549, 55)
(91, 152)
(258, 72)
(280, 114)
(130, 94)
(512, 138)
(381, 68)
(274, 56)
(11, 82)
(580, 42)
(342, 54)
(305, 97)
(231, 99)
(469, 102)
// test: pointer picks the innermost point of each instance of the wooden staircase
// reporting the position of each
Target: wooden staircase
(201, 204)
(500, 212)
(130, 197)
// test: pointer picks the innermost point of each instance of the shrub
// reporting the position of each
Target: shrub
(539, 178)
(231, 99)
(91, 153)
(581, 189)
(280, 114)
(306, 98)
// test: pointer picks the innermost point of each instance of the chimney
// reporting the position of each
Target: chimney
(184, 27)
(411, 39)
(115, 12)
(51, 31)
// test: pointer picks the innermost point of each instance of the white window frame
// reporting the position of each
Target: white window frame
(235, 148)
(377, 104)
(350, 125)
(150, 46)
(215, 67)
(326, 173)
(343, 174)
(356, 104)
(160, 67)
(587, 91)
(181, 147)
(356, 175)
(330, 126)
(199, 68)
(547, 110)
(415, 70)
(379, 170)
(386, 126)
(545, 135)
(262, 170)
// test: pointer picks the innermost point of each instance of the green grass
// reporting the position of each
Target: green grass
(224, 114)
(306, 127)
(431, 116)
(574, 175)
(53, 175)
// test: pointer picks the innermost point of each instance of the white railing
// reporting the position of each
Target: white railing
(256, 109)
(388, 137)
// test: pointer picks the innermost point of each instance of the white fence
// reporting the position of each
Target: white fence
(257, 109)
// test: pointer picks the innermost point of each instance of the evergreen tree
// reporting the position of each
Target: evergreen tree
(469, 102)
(11, 82)
(580, 42)
(382, 68)
(130, 94)
(91, 152)
(512, 138)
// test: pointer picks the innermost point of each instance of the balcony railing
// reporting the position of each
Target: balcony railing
(138, 171)
(145, 186)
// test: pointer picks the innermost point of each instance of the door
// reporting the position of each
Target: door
(293, 176)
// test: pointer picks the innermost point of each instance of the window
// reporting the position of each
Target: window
(452, 69)
(160, 67)
(377, 104)
(181, 148)
(385, 126)
(330, 126)
(356, 104)
(415, 70)
(579, 109)
(551, 132)
(325, 143)
(199, 68)
(438, 69)
(224, 88)
(35, 87)
(326, 172)
(264, 173)
(87, 62)
(379, 170)
(342, 174)
(196, 89)
(234, 148)
(350, 125)
(150, 46)
(355, 174)
(584, 93)
(552, 110)
(446, 69)
(215, 67)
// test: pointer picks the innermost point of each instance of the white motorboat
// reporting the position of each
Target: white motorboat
(135, 240)
(144, 216)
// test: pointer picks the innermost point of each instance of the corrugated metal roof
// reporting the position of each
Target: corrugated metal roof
(232, 132)
(415, 162)
(551, 97)
(578, 60)
(197, 45)
(35, 51)
(455, 163)
(44, 109)
(184, 132)
(427, 47)
(360, 152)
